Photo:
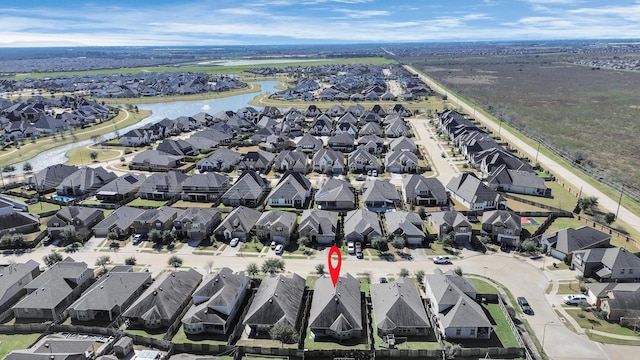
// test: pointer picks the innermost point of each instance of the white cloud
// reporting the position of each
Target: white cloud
(361, 14)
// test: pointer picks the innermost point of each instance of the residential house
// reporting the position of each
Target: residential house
(260, 161)
(13, 219)
(336, 311)
(202, 145)
(216, 302)
(291, 160)
(120, 222)
(403, 143)
(162, 186)
(335, 111)
(371, 128)
(82, 219)
(312, 111)
(50, 177)
(278, 300)
(154, 160)
(451, 223)
(177, 148)
(345, 127)
(421, 191)
(204, 187)
(248, 190)
(49, 125)
(110, 296)
(222, 159)
(309, 144)
(292, 190)
(372, 143)
(162, 302)
(407, 225)
(452, 299)
(607, 264)
(120, 188)
(619, 305)
(361, 160)
(276, 225)
(84, 181)
(135, 137)
(502, 226)
(57, 346)
(517, 181)
(562, 243)
(335, 194)
(319, 226)
(238, 223)
(321, 126)
(196, 223)
(398, 309)
(49, 294)
(599, 290)
(401, 161)
(474, 194)
(379, 195)
(14, 279)
(489, 160)
(396, 129)
(361, 225)
(341, 142)
(160, 219)
(328, 161)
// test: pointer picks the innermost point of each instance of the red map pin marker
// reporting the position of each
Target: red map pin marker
(335, 271)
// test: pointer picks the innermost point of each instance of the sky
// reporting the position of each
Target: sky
(279, 22)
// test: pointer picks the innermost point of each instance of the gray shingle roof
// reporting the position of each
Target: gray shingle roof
(112, 289)
(569, 240)
(398, 304)
(361, 221)
(241, 219)
(278, 299)
(379, 191)
(402, 222)
(471, 189)
(338, 308)
(508, 219)
(124, 184)
(123, 217)
(10, 275)
(248, 186)
(323, 221)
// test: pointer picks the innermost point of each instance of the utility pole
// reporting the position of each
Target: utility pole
(620, 201)
(537, 152)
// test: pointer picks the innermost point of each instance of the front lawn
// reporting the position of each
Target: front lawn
(501, 327)
(590, 321)
(483, 287)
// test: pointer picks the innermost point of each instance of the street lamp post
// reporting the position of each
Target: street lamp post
(544, 332)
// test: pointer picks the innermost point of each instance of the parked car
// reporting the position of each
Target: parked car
(383, 280)
(524, 304)
(273, 245)
(234, 242)
(359, 253)
(574, 299)
(137, 238)
(279, 249)
(441, 260)
(351, 247)
(374, 173)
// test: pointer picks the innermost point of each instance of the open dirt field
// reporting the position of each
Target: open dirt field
(589, 114)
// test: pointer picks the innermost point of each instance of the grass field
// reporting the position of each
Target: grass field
(82, 156)
(211, 69)
(145, 202)
(591, 322)
(12, 342)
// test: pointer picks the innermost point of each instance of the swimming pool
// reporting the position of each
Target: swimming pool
(64, 199)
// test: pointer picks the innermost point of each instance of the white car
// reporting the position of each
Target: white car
(234, 242)
(574, 299)
(374, 173)
(441, 260)
(279, 249)
(351, 247)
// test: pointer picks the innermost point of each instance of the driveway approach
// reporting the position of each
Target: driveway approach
(569, 175)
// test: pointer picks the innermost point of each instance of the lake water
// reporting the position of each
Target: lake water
(159, 111)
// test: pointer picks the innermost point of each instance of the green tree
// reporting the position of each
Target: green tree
(9, 168)
(93, 155)
(103, 261)
(530, 246)
(588, 204)
(380, 243)
(420, 274)
(320, 269)
(422, 212)
(458, 270)
(52, 258)
(403, 273)
(485, 240)
(155, 236)
(445, 240)
(131, 260)
(283, 332)
(168, 236)
(112, 235)
(69, 234)
(273, 266)
(609, 218)
(304, 241)
(252, 269)
(399, 242)
(27, 167)
(175, 261)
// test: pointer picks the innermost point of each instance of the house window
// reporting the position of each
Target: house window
(630, 271)
(458, 332)
(472, 332)
(621, 271)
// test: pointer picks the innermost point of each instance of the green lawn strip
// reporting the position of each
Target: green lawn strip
(156, 334)
(501, 327)
(559, 265)
(483, 287)
(549, 288)
(251, 247)
(42, 207)
(11, 342)
(145, 202)
(434, 249)
(571, 287)
(211, 339)
(266, 343)
(609, 340)
(590, 321)
(30, 150)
